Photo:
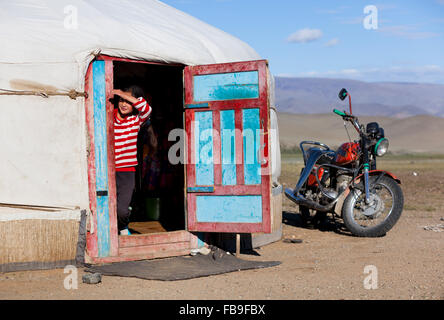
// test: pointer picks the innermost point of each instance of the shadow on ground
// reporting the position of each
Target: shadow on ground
(324, 223)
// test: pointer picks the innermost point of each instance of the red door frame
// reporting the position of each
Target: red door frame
(238, 105)
(122, 248)
(92, 239)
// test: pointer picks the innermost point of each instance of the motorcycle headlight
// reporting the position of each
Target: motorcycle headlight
(381, 147)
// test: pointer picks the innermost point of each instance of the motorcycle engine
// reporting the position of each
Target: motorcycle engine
(342, 182)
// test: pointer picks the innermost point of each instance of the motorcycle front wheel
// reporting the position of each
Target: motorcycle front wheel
(376, 218)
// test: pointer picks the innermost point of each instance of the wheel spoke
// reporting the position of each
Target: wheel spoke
(379, 208)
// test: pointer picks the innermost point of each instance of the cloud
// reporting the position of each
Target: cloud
(305, 35)
(356, 20)
(286, 75)
(332, 42)
(386, 6)
(337, 10)
(424, 73)
(408, 32)
(348, 73)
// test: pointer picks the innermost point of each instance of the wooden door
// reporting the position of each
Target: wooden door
(227, 171)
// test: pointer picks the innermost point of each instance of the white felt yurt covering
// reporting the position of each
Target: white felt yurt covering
(46, 46)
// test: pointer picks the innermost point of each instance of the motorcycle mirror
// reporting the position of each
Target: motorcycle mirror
(343, 94)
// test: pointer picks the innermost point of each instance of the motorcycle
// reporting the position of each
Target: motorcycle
(347, 183)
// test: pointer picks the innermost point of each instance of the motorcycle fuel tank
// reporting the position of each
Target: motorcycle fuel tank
(347, 153)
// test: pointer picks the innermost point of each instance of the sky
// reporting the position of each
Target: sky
(395, 40)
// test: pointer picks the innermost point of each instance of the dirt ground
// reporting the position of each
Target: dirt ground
(328, 264)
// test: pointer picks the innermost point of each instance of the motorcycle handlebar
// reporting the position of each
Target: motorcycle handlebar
(339, 113)
(348, 117)
(344, 114)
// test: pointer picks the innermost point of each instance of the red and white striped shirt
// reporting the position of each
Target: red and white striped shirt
(125, 136)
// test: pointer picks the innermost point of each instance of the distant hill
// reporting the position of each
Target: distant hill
(413, 134)
(389, 99)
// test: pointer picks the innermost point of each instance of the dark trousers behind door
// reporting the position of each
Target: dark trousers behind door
(125, 183)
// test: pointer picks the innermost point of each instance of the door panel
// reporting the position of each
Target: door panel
(226, 121)
(229, 209)
(251, 135)
(226, 86)
(103, 242)
(204, 148)
(228, 147)
(101, 157)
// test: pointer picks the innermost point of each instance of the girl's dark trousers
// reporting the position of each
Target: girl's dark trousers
(125, 183)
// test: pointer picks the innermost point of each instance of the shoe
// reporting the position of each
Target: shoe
(125, 232)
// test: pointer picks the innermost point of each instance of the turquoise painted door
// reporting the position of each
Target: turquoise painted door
(226, 122)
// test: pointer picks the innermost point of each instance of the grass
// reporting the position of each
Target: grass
(412, 156)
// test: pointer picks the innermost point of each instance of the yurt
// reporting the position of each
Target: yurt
(211, 173)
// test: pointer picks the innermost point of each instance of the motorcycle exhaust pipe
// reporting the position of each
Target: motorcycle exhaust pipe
(300, 200)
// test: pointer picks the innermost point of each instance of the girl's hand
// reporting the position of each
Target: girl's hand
(125, 95)
(117, 92)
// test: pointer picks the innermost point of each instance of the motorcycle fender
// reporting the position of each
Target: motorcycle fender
(340, 202)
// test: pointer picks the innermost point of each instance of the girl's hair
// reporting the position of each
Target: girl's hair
(136, 91)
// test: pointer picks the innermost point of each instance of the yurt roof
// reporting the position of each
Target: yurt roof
(57, 33)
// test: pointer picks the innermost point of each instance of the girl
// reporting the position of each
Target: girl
(132, 111)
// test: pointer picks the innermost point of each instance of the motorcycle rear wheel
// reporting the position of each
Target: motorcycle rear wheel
(376, 219)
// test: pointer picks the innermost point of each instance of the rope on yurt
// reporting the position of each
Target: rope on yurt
(73, 94)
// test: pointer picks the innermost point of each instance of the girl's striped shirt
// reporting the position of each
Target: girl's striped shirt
(125, 136)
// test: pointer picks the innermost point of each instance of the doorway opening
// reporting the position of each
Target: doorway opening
(158, 203)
